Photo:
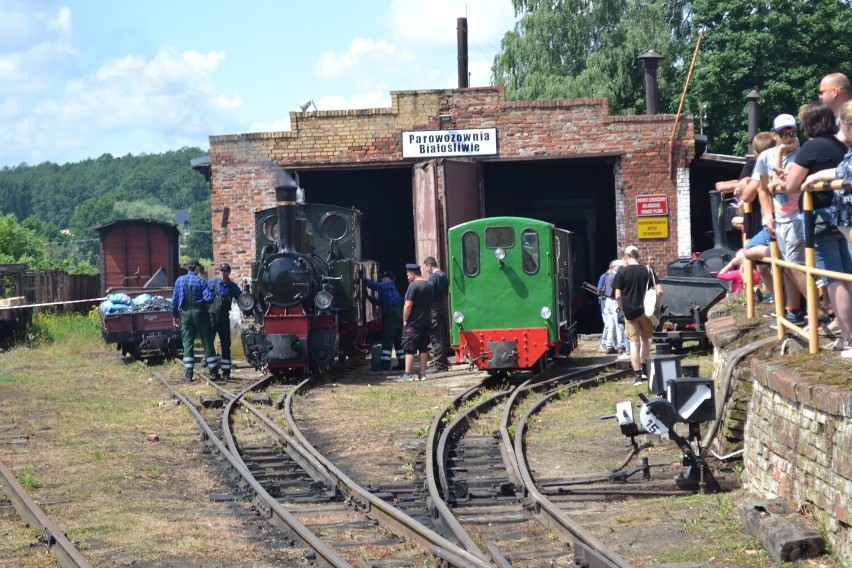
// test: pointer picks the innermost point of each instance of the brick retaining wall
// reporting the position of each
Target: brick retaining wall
(797, 433)
(798, 446)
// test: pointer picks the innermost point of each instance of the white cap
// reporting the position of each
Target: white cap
(783, 121)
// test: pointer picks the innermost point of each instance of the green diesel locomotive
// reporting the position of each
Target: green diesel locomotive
(510, 293)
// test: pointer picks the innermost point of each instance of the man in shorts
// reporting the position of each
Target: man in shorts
(416, 322)
(631, 282)
(787, 223)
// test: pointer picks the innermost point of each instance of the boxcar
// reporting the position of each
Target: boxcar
(510, 293)
(140, 256)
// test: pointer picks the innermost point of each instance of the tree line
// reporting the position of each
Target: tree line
(48, 212)
(562, 49)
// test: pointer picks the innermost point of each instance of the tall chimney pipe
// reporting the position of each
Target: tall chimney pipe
(650, 61)
(285, 203)
(753, 116)
(461, 40)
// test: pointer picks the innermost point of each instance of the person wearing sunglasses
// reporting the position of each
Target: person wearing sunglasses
(834, 90)
(786, 223)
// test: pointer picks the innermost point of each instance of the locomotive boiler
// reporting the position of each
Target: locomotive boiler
(306, 302)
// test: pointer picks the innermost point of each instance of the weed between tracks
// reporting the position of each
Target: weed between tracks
(120, 498)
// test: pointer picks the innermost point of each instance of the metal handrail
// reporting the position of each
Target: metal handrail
(809, 268)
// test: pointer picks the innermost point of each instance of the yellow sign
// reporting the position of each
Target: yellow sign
(653, 227)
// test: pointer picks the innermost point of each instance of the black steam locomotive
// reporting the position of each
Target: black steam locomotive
(306, 299)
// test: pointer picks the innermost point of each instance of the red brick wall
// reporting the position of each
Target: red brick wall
(242, 180)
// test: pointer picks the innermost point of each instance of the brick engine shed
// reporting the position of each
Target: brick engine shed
(568, 162)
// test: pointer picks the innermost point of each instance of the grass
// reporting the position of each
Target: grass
(88, 415)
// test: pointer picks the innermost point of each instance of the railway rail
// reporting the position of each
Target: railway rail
(52, 536)
(483, 490)
(337, 521)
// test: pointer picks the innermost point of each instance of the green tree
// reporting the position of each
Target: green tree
(781, 49)
(19, 244)
(579, 48)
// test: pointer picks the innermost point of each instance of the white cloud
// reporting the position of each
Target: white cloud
(363, 61)
(434, 23)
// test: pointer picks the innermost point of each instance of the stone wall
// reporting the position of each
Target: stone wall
(653, 156)
(798, 446)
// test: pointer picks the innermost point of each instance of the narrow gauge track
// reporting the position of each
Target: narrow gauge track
(63, 550)
(303, 494)
(483, 491)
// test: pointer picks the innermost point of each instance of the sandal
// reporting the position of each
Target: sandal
(838, 344)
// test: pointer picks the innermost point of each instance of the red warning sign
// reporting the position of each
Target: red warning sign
(654, 204)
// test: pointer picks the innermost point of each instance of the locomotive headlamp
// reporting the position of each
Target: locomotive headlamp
(500, 254)
(546, 312)
(458, 317)
(323, 299)
(246, 302)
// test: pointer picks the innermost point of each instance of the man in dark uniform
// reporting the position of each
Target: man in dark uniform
(391, 303)
(223, 290)
(191, 298)
(440, 326)
(416, 321)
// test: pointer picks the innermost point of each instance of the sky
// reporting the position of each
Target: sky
(83, 78)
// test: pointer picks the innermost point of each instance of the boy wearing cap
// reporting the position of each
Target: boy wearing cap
(391, 303)
(786, 223)
(223, 290)
(416, 321)
(191, 298)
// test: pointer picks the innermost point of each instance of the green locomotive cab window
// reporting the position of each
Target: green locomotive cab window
(269, 228)
(499, 237)
(470, 253)
(334, 227)
(529, 251)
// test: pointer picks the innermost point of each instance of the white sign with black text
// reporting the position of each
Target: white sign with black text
(436, 143)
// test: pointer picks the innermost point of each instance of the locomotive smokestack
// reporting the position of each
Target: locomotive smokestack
(285, 202)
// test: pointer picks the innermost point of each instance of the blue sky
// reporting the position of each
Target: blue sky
(82, 78)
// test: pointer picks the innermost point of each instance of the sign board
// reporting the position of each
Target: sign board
(652, 205)
(437, 143)
(653, 227)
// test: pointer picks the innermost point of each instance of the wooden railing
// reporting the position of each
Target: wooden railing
(812, 273)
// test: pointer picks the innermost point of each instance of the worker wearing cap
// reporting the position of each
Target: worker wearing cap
(223, 290)
(391, 303)
(416, 322)
(189, 310)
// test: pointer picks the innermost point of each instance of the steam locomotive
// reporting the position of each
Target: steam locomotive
(305, 299)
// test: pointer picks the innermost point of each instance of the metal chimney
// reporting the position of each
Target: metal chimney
(650, 61)
(461, 40)
(753, 116)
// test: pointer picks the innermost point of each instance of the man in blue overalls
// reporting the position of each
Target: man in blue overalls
(391, 304)
(191, 298)
(223, 290)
